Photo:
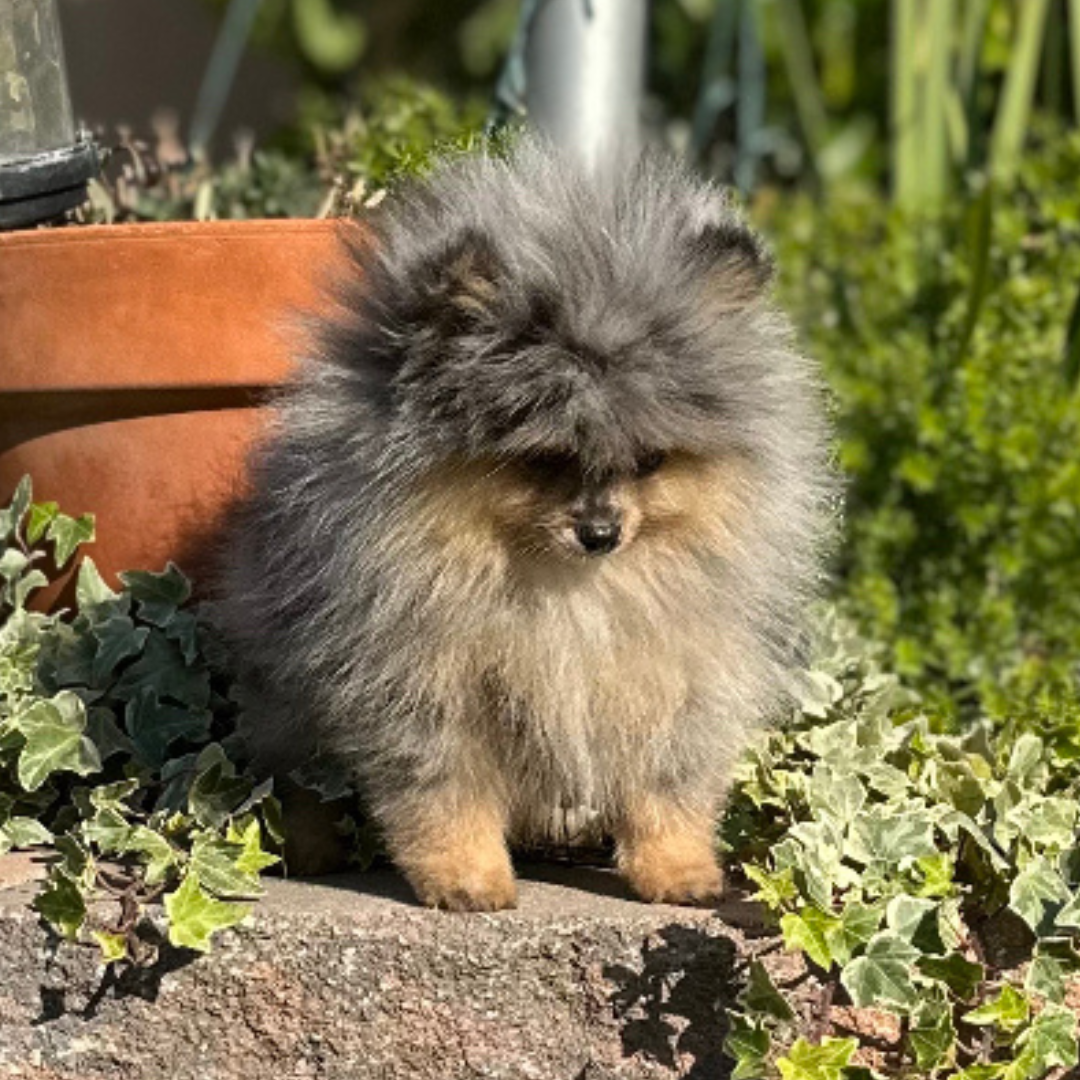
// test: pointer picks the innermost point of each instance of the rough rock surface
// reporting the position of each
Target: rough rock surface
(346, 978)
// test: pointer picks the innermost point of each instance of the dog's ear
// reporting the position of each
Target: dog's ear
(460, 279)
(735, 263)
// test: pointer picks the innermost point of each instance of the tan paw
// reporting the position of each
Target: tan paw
(469, 888)
(663, 875)
(456, 858)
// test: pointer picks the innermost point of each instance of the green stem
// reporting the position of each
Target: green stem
(1014, 109)
(799, 61)
(969, 66)
(750, 102)
(1074, 54)
(934, 103)
(904, 83)
(717, 84)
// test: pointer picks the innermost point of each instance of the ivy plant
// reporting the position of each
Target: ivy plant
(930, 879)
(118, 749)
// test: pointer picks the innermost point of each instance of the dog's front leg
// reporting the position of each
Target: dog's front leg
(666, 848)
(449, 842)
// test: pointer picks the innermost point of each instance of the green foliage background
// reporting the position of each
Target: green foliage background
(945, 340)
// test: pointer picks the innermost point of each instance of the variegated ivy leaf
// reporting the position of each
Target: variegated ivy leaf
(108, 830)
(1044, 820)
(817, 693)
(821, 845)
(12, 563)
(955, 783)
(215, 861)
(937, 875)
(808, 931)
(916, 920)
(857, 924)
(19, 579)
(962, 976)
(1050, 1042)
(217, 794)
(157, 855)
(11, 517)
(1009, 1011)
(825, 1061)
(835, 794)
(67, 533)
(775, 890)
(1026, 762)
(53, 729)
(956, 824)
(20, 646)
(748, 1044)
(1038, 893)
(886, 835)
(194, 917)
(22, 832)
(19, 591)
(61, 902)
(94, 598)
(882, 975)
(40, 517)
(932, 1036)
(113, 946)
(1046, 977)
(114, 796)
(248, 835)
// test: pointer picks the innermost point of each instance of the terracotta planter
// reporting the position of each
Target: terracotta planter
(132, 359)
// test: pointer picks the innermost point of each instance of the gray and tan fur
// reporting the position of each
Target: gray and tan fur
(537, 524)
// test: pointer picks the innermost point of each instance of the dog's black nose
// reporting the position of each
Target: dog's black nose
(598, 537)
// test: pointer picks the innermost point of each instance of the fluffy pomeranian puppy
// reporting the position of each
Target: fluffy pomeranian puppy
(536, 525)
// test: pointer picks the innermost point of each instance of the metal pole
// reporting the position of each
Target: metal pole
(585, 74)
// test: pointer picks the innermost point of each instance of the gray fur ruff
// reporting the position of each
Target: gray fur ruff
(617, 311)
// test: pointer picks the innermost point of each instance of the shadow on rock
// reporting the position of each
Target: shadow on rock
(676, 1006)
(70, 993)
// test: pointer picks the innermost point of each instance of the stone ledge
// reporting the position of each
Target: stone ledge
(347, 978)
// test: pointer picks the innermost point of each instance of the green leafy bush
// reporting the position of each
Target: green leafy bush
(927, 878)
(944, 342)
(116, 748)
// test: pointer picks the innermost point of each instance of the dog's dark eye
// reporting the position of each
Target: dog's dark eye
(648, 463)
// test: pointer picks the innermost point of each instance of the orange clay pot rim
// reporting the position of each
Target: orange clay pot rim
(167, 231)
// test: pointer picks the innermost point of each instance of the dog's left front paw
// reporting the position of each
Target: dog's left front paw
(662, 876)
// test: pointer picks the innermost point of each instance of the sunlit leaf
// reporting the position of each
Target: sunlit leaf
(194, 917)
